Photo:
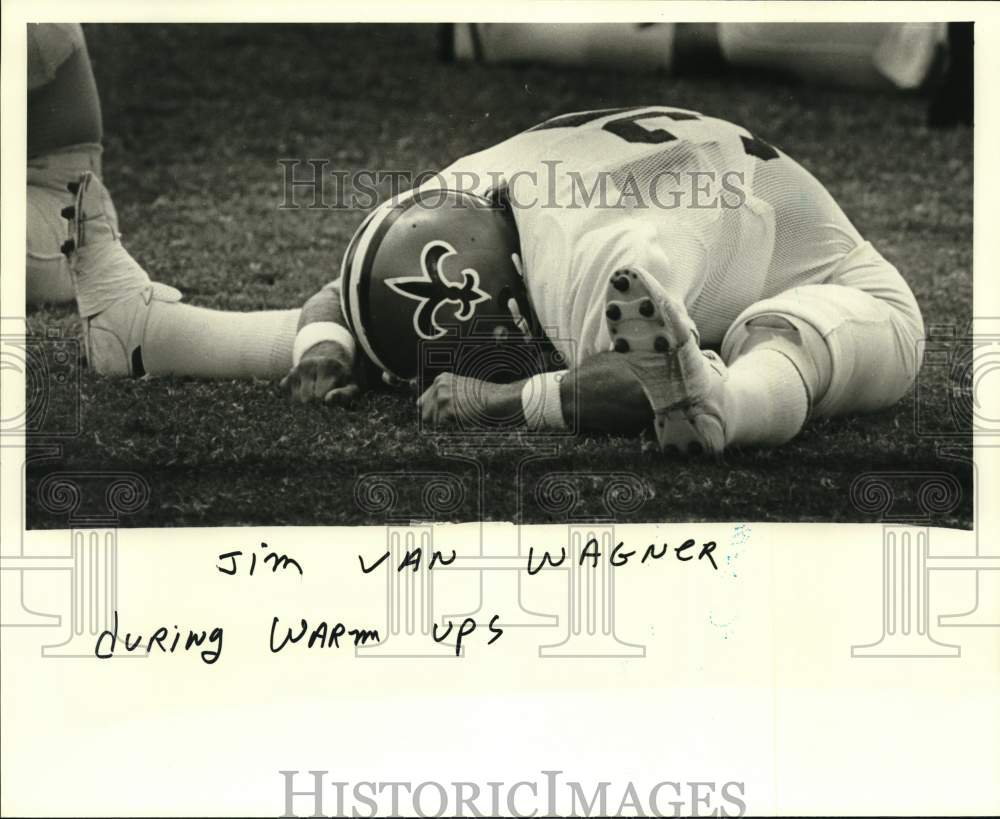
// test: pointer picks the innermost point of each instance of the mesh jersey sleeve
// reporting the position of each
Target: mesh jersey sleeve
(812, 233)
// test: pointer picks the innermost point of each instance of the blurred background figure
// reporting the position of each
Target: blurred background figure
(953, 102)
(638, 46)
(64, 139)
(905, 56)
(850, 55)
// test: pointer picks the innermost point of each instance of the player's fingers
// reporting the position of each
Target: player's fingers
(291, 384)
(425, 403)
(434, 402)
(330, 369)
(323, 377)
(305, 389)
(398, 383)
(442, 388)
(446, 415)
(342, 396)
(428, 413)
(319, 376)
(444, 402)
(427, 395)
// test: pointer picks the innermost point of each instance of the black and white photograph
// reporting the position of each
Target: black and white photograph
(531, 409)
(704, 255)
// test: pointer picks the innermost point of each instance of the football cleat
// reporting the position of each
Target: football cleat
(113, 338)
(659, 342)
(113, 292)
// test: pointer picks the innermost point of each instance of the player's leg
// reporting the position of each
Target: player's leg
(134, 326)
(48, 275)
(63, 139)
(769, 381)
(859, 55)
(853, 340)
(847, 346)
(837, 314)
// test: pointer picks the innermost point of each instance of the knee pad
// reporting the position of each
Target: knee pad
(855, 347)
(48, 277)
(793, 337)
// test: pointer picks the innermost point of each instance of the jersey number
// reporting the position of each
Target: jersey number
(629, 129)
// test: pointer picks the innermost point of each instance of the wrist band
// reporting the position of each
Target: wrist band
(318, 331)
(541, 402)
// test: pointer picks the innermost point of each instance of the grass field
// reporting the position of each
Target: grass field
(196, 118)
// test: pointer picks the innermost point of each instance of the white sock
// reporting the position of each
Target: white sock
(766, 399)
(181, 339)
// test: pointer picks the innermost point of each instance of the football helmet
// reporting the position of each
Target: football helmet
(439, 268)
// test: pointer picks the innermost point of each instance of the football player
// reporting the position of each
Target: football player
(640, 239)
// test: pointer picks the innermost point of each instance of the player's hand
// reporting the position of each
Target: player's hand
(324, 373)
(451, 399)
(456, 399)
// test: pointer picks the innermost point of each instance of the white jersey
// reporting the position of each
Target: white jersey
(721, 219)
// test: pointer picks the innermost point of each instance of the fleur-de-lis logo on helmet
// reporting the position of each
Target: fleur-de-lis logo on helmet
(432, 290)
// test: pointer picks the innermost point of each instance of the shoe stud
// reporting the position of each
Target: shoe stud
(646, 308)
(73, 187)
(68, 247)
(621, 346)
(68, 212)
(620, 282)
(613, 312)
(660, 344)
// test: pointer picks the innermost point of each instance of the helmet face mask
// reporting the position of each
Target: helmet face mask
(430, 271)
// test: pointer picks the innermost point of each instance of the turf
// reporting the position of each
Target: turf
(196, 119)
